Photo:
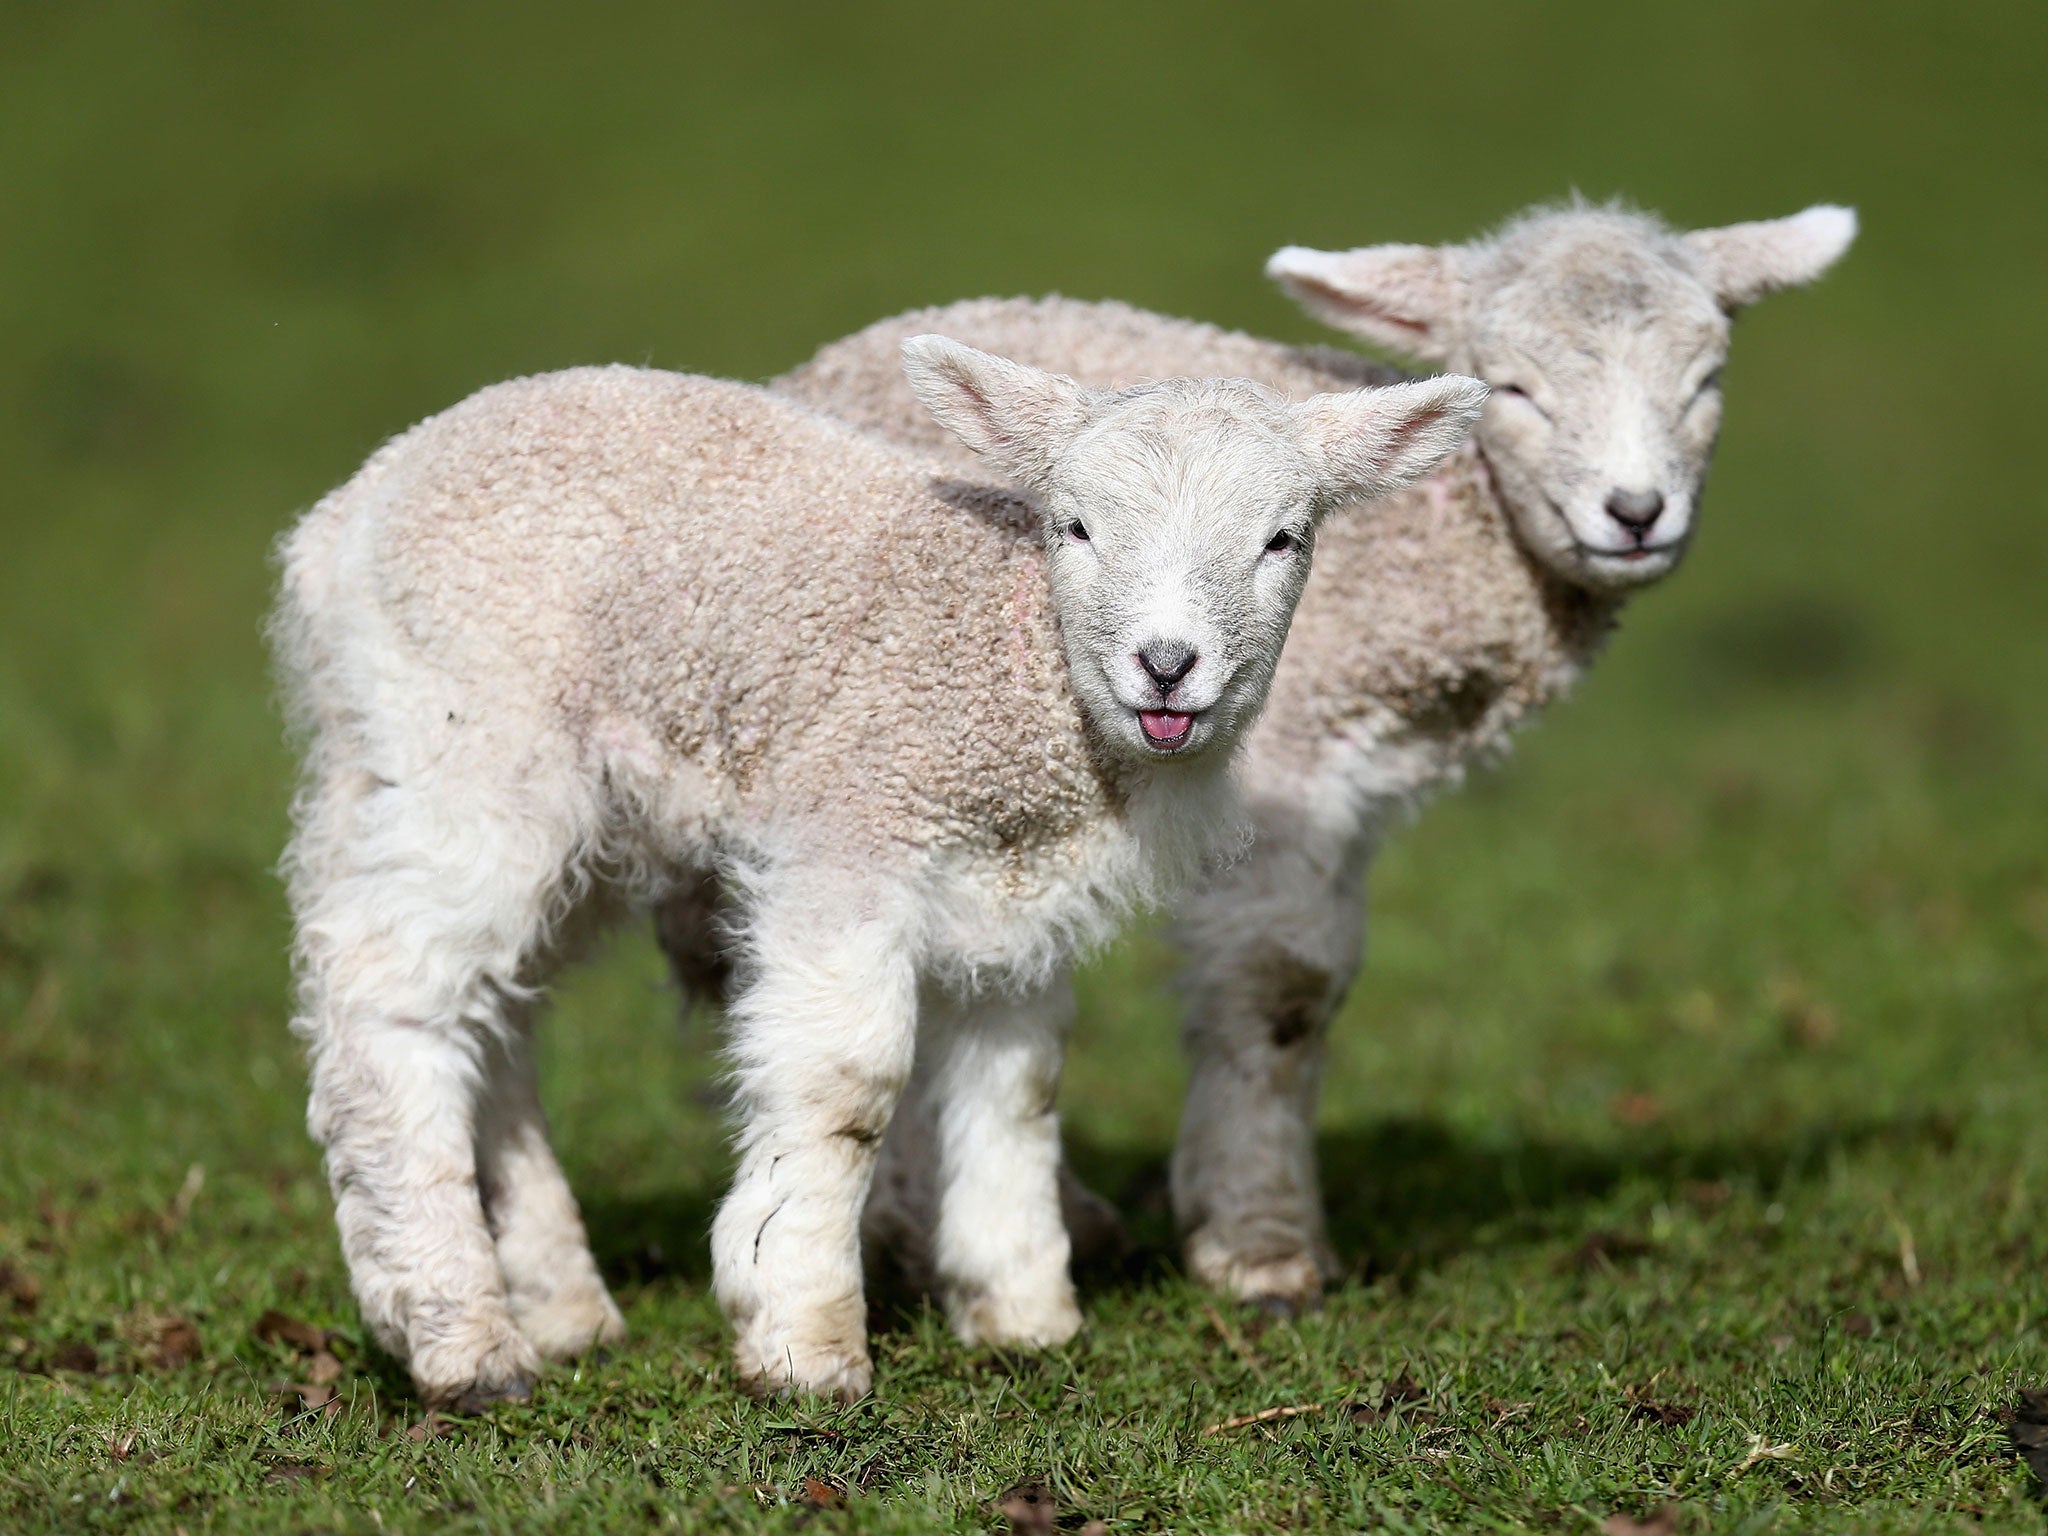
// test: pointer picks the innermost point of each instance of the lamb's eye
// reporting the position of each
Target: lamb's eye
(1708, 385)
(1281, 542)
(1516, 392)
(1077, 531)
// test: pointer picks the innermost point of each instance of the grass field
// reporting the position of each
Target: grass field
(1687, 1135)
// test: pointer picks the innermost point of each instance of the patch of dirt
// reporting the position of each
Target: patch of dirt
(19, 1289)
(165, 1341)
(1637, 1110)
(1662, 1523)
(73, 1355)
(1032, 1511)
(315, 1346)
(1669, 1415)
(1706, 1195)
(819, 1494)
(1602, 1249)
(1404, 1397)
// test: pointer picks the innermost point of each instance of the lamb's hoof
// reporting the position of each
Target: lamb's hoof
(471, 1380)
(1285, 1284)
(841, 1374)
(483, 1396)
(570, 1323)
(1016, 1322)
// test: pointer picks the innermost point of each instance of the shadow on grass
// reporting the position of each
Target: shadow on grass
(1403, 1195)
(647, 1239)
(1407, 1195)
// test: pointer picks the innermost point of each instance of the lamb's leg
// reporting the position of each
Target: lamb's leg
(1000, 1250)
(551, 1280)
(415, 919)
(902, 1217)
(1272, 949)
(823, 1030)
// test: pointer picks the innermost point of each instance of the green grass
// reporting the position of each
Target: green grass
(1686, 1137)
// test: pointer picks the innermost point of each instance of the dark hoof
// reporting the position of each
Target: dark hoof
(484, 1396)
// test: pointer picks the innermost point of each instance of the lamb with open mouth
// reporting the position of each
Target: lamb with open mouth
(1167, 730)
(557, 651)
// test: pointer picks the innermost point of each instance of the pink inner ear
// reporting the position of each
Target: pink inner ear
(1403, 321)
(1339, 299)
(1414, 427)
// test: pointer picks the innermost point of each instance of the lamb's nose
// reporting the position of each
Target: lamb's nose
(1166, 662)
(1635, 510)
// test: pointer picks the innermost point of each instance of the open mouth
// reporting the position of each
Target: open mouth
(1166, 730)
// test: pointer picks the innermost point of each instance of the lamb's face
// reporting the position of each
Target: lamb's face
(1178, 534)
(1604, 355)
(1179, 519)
(1602, 334)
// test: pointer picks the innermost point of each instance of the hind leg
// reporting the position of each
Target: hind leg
(416, 917)
(552, 1285)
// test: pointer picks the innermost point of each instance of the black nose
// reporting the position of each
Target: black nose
(1167, 662)
(1635, 510)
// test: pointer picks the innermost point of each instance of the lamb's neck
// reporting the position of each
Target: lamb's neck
(1428, 633)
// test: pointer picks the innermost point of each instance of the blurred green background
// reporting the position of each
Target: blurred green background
(1775, 881)
(242, 245)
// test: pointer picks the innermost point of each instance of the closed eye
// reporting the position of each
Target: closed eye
(1516, 392)
(1707, 385)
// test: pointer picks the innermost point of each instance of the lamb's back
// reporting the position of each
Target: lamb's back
(690, 571)
(1103, 345)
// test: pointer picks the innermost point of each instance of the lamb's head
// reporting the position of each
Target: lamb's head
(1602, 334)
(1179, 519)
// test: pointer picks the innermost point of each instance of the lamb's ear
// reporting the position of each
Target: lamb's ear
(1367, 442)
(1409, 299)
(1017, 418)
(1743, 262)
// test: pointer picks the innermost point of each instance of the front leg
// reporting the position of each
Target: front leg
(823, 1030)
(1273, 947)
(1000, 1249)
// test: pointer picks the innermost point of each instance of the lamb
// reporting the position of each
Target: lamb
(592, 638)
(1430, 631)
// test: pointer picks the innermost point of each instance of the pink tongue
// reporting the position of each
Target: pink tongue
(1164, 725)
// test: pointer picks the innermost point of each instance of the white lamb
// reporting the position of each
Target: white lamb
(597, 636)
(1429, 631)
